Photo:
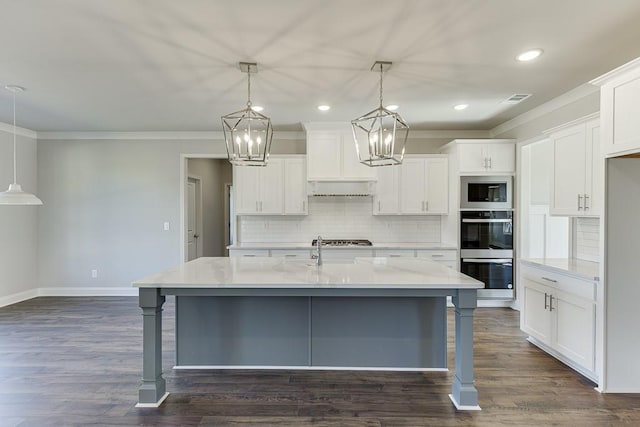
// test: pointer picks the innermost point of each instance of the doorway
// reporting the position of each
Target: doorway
(205, 211)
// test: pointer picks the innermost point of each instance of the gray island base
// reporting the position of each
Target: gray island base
(377, 313)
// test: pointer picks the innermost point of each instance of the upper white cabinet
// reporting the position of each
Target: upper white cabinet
(276, 189)
(577, 169)
(295, 186)
(486, 156)
(417, 187)
(331, 154)
(620, 109)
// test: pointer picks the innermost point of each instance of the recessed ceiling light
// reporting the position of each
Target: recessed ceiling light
(324, 107)
(392, 107)
(460, 107)
(529, 55)
(257, 108)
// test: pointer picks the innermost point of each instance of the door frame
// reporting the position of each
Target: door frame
(199, 224)
(183, 197)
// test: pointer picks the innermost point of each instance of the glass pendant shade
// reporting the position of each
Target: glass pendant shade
(380, 135)
(247, 133)
(14, 194)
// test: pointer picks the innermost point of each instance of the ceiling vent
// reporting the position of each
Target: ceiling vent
(516, 98)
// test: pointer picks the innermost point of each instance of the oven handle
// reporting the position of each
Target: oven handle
(478, 221)
(488, 260)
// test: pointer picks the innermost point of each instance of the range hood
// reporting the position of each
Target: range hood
(341, 188)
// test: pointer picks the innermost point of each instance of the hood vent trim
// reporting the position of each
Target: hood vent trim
(341, 188)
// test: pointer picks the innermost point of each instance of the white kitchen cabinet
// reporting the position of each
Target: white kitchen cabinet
(331, 154)
(424, 184)
(295, 186)
(620, 109)
(343, 256)
(259, 189)
(577, 170)
(387, 197)
(395, 253)
(483, 157)
(559, 315)
(291, 253)
(448, 257)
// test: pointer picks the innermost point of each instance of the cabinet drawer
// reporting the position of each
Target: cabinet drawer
(573, 285)
(392, 253)
(438, 254)
(249, 252)
(347, 255)
(290, 253)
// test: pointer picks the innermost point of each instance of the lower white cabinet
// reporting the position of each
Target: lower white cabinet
(291, 253)
(558, 312)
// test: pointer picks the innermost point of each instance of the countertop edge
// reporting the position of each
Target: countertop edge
(307, 246)
(541, 263)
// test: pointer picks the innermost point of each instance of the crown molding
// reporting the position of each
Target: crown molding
(548, 107)
(182, 136)
(605, 78)
(6, 127)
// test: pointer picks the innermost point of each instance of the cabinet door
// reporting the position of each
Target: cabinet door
(387, 199)
(574, 328)
(437, 185)
(295, 186)
(594, 177)
(501, 158)
(412, 187)
(270, 184)
(569, 170)
(246, 191)
(472, 157)
(352, 169)
(324, 155)
(620, 110)
(536, 318)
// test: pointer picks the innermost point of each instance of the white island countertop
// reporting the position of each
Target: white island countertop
(273, 273)
(576, 267)
(307, 245)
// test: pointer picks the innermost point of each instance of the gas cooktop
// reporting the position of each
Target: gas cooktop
(342, 242)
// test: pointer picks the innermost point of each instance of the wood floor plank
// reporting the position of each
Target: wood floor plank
(77, 362)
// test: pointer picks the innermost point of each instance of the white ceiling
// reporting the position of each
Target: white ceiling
(167, 65)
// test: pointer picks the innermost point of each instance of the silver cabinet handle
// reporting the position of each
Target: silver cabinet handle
(546, 297)
(436, 255)
(426, 206)
(260, 206)
(246, 255)
(579, 201)
(586, 200)
(289, 255)
(550, 302)
(490, 163)
(378, 205)
(304, 202)
(257, 208)
(394, 256)
(484, 164)
(423, 205)
(549, 280)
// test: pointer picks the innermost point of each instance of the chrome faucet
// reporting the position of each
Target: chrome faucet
(318, 256)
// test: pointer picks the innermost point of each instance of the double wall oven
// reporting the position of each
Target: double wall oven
(486, 234)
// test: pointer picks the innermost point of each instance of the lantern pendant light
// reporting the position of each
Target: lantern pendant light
(14, 195)
(247, 133)
(380, 135)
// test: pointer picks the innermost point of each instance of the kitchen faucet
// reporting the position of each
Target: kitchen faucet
(318, 257)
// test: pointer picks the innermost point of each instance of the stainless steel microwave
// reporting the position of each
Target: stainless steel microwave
(486, 192)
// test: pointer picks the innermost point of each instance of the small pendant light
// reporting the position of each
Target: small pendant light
(14, 195)
(381, 134)
(247, 133)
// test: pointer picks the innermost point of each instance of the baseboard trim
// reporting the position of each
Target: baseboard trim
(68, 292)
(19, 297)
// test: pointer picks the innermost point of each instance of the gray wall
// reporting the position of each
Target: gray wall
(18, 224)
(214, 174)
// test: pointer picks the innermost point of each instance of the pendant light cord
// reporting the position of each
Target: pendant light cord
(15, 179)
(249, 87)
(380, 85)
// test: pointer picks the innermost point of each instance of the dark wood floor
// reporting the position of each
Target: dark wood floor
(77, 361)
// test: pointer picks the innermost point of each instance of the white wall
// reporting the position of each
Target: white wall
(18, 224)
(106, 202)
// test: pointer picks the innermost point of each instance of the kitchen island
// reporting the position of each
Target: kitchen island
(377, 313)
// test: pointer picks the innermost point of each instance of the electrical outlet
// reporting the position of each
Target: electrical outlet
(166, 226)
(94, 274)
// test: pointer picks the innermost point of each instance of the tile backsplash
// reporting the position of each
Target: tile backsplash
(587, 238)
(339, 218)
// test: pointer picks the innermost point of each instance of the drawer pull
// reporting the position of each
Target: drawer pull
(246, 255)
(290, 256)
(550, 302)
(394, 256)
(436, 255)
(546, 297)
(549, 280)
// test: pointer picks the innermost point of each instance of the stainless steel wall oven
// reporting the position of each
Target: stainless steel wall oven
(486, 251)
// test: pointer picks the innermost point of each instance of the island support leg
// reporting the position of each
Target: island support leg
(153, 389)
(463, 393)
